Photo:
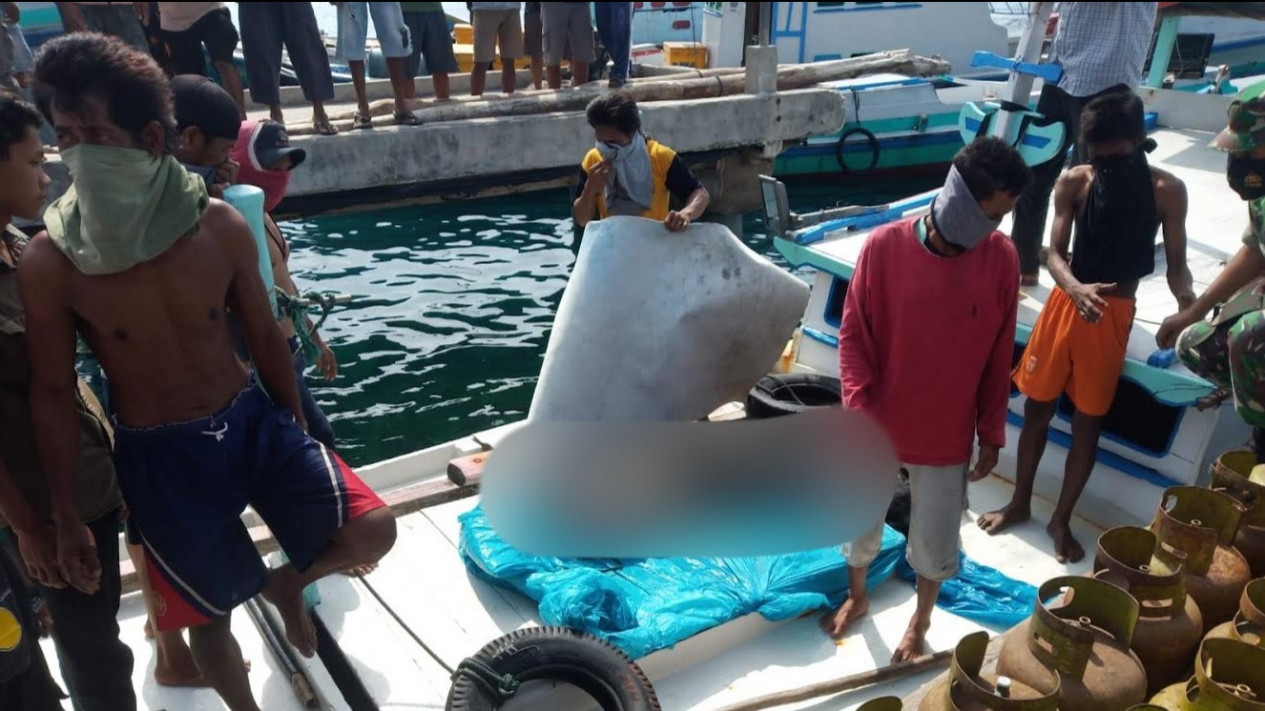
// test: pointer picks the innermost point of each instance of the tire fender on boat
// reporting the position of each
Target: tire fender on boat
(788, 393)
(486, 680)
(875, 149)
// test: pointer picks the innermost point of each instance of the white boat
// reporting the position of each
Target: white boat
(403, 628)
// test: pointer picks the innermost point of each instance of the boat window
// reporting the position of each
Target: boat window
(1136, 419)
(834, 302)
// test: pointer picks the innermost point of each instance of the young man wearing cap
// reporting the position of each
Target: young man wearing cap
(266, 159)
(919, 284)
(1229, 349)
(207, 121)
(1117, 203)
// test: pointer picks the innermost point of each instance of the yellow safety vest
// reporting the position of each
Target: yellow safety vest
(660, 161)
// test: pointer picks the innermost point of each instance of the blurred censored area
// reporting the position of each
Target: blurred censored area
(690, 489)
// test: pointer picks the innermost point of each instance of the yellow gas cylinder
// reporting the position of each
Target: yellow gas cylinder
(1229, 676)
(1235, 473)
(1084, 635)
(882, 703)
(1169, 623)
(1201, 524)
(1248, 624)
(965, 688)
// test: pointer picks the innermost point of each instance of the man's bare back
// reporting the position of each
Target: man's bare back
(159, 329)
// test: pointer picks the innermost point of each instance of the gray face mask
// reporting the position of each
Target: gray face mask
(957, 216)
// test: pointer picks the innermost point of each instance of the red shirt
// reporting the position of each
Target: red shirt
(926, 342)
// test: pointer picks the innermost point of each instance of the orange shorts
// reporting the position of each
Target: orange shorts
(1068, 354)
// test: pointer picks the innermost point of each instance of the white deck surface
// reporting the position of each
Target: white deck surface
(1214, 226)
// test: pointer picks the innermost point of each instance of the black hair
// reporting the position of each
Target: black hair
(17, 117)
(1117, 116)
(989, 164)
(74, 67)
(617, 109)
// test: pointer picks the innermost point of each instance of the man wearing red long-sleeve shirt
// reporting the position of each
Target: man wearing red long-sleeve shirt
(925, 348)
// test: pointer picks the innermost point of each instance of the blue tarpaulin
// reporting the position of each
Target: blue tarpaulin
(644, 605)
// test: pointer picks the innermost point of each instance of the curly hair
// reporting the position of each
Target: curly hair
(17, 117)
(989, 164)
(74, 67)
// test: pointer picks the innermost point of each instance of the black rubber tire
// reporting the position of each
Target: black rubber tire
(602, 670)
(875, 150)
(788, 393)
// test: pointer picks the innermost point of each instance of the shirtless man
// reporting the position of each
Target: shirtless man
(141, 262)
(1117, 203)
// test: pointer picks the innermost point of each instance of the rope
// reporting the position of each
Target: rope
(502, 686)
(298, 311)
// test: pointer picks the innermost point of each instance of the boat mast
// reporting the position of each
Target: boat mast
(1019, 86)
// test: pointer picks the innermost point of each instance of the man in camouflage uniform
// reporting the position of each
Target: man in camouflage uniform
(1229, 348)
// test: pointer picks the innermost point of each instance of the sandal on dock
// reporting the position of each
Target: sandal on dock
(407, 118)
(361, 121)
(324, 128)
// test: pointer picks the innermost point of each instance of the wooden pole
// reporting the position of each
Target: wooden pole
(847, 683)
(789, 77)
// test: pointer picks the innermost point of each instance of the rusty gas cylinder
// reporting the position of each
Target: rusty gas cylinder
(1169, 623)
(1248, 624)
(1200, 524)
(882, 703)
(964, 687)
(1229, 676)
(1233, 474)
(1085, 638)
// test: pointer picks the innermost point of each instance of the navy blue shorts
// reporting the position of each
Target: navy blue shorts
(187, 485)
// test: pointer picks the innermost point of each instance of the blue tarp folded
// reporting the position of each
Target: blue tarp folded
(644, 605)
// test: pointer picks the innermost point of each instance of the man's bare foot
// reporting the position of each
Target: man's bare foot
(287, 596)
(836, 623)
(913, 644)
(997, 521)
(361, 570)
(1066, 548)
(175, 665)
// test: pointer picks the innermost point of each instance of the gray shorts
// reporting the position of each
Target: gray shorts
(432, 44)
(388, 24)
(497, 30)
(565, 23)
(937, 498)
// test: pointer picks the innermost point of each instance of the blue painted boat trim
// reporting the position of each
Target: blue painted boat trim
(828, 149)
(878, 217)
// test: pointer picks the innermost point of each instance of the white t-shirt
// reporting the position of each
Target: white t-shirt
(180, 16)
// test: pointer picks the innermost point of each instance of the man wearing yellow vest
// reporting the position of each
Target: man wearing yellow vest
(629, 174)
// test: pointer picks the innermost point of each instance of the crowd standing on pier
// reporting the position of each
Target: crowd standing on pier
(207, 382)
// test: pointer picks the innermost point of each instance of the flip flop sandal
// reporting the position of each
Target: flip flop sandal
(324, 128)
(362, 121)
(408, 119)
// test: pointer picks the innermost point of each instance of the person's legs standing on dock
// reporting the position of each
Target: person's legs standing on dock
(117, 19)
(614, 27)
(534, 42)
(497, 26)
(432, 43)
(199, 434)
(948, 277)
(1101, 47)
(567, 23)
(397, 44)
(95, 664)
(267, 27)
(189, 26)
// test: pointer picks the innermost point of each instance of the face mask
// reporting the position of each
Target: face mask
(632, 170)
(957, 216)
(1246, 176)
(123, 207)
(274, 183)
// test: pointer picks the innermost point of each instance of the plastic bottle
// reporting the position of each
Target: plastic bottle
(249, 201)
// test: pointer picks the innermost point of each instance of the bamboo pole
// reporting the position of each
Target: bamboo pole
(789, 77)
(847, 683)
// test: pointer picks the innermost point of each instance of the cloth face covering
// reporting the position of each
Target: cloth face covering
(632, 171)
(123, 207)
(957, 216)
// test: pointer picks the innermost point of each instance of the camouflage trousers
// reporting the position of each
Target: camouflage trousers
(1229, 351)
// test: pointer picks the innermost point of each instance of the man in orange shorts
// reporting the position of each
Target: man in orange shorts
(1117, 203)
